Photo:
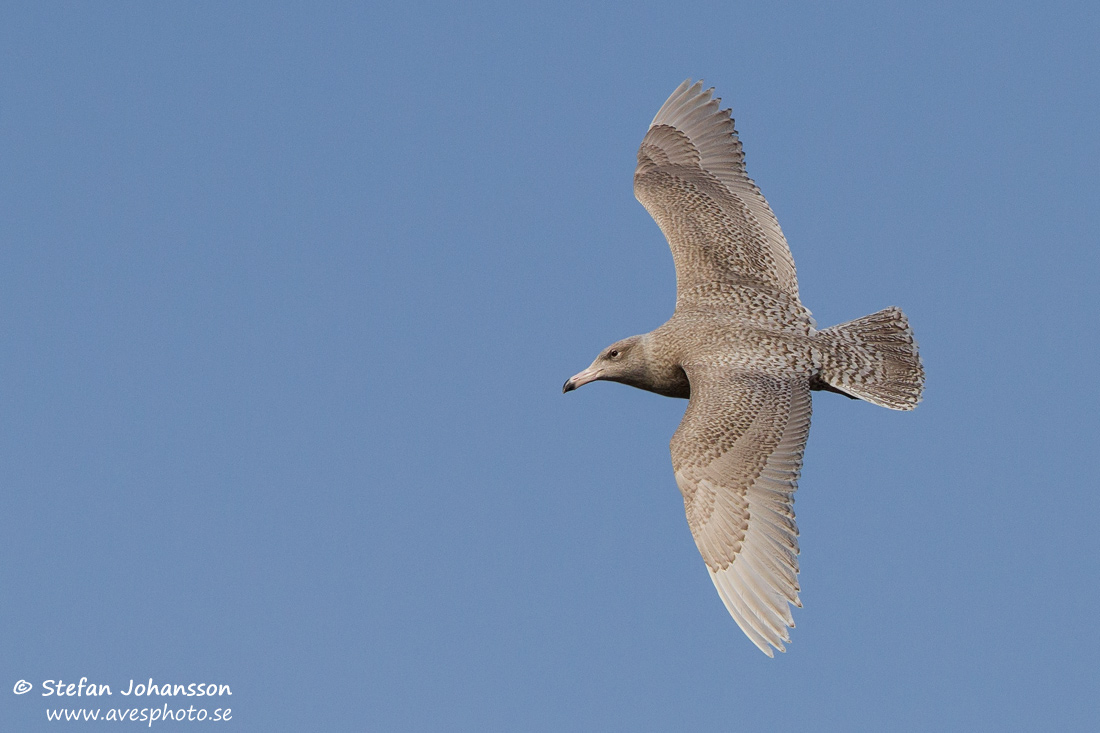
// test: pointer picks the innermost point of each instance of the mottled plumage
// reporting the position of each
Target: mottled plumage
(745, 351)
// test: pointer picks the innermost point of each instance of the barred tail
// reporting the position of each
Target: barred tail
(873, 358)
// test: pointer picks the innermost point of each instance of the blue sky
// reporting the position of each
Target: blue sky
(288, 293)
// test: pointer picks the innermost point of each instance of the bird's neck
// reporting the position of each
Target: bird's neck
(663, 373)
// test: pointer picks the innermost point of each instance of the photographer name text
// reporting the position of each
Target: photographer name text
(84, 688)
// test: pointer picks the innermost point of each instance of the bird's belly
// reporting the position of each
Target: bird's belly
(779, 353)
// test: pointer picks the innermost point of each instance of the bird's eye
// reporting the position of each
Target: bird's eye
(613, 353)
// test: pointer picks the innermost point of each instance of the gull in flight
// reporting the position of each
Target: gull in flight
(745, 353)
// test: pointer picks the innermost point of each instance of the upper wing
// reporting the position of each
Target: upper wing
(691, 178)
(737, 456)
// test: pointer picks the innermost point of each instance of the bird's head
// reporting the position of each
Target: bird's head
(623, 361)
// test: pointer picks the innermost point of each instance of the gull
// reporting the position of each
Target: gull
(745, 353)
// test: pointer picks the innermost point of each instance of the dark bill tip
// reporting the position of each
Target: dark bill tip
(568, 386)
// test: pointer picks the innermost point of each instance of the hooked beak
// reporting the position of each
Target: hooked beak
(590, 374)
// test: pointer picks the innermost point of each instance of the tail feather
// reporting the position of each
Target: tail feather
(874, 358)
